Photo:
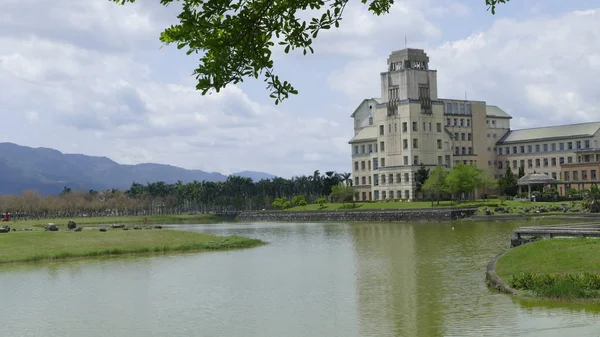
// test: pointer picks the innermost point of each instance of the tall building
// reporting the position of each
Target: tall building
(410, 126)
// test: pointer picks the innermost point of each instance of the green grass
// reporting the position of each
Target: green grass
(131, 220)
(490, 203)
(45, 246)
(561, 268)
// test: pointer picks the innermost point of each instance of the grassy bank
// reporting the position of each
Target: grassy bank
(513, 206)
(44, 246)
(129, 220)
(560, 268)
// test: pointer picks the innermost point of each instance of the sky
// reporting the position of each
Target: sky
(92, 77)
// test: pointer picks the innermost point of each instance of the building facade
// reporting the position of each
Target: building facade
(410, 126)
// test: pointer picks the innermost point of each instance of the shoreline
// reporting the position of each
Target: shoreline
(69, 245)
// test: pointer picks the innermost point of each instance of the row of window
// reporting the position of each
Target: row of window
(462, 136)
(463, 151)
(405, 127)
(382, 179)
(552, 147)
(584, 175)
(538, 162)
(384, 195)
(458, 122)
(458, 108)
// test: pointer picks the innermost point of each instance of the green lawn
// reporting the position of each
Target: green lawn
(558, 268)
(491, 203)
(150, 220)
(41, 245)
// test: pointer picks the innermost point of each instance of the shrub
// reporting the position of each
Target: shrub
(586, 285)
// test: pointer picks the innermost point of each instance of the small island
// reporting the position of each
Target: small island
(558, 268)
(49, 245)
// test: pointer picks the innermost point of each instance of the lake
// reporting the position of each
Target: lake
(380, 279)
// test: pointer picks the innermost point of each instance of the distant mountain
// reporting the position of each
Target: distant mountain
(48, 171)
(256, 176)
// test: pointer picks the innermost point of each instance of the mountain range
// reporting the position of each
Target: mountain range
(48, 171)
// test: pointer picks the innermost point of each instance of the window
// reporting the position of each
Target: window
(584, 175)
(508, 150)
(561, 146)
(405, 143)
(370, 120)
(500, 165)
(448, 121)
(398, 175)
(494, 135)
(514, 164)
(554, 175)
(462, 136)
(369, 164)
(404, 127)
(463, 150)
(567, 176)
(493, 122)
(456, 136)
(414, 128)
(369, 181)
(391, 178)
(439, 127)
(457, 151)
(587, 144)
(362, 149)
(500, 151)
(355, 149)
(416, 160)
(522, 163)
(575, 175)
(488, 135)
(415, 143)
(489, 163)
(389, 128)
(375, 163)
(455, 122)
(537, 162)
(439, 144)
(470, 150)
(376, 192)
(462, 122)
(355, 166)
(570, 147)
(593, 174)
(364, 196)
(406, 177)
(364, 180)
(395, 127)
(561, 160)
(469, 122)
(383, 179)
(362, 165)
(381, 146)
(570, 160)
(370, 148)
(468, 136)
(529, 149)
(514, 150)
(424, 128)
(382, 162)
(578, 144)
(381, 130)
(405, 160)
(429, 127)
(356, 181)
(522, 149)
(545, 162)
(553, 161)
(537, 148)
(553, 147)
(440, 161)
(375, 145)
(391, 194)
(407, 194)
(545, 147)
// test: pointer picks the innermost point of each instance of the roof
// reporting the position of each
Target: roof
(377, 101)
(551, 132)
(494, 111)
(368, 133)
(536, 178)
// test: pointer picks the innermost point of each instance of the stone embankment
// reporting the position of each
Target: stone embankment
(441, 214)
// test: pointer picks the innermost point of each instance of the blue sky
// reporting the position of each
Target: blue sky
(90, 77)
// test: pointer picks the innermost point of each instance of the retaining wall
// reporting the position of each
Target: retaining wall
(446, 214)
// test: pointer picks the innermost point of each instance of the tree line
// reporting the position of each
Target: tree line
(234, 194)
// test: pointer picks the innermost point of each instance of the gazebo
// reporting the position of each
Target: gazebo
(535, 179)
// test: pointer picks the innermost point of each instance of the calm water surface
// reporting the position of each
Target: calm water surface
(423, 279)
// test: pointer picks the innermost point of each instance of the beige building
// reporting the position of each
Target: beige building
(410, 126)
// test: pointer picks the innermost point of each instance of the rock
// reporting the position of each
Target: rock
(117, 226)
(499, 209)
(78, 229)
(51, 227)
(71, 224)
(158, 227)
(137, 227)
(103, 229)
(126, 228)
(4, 229)
(488, 212)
